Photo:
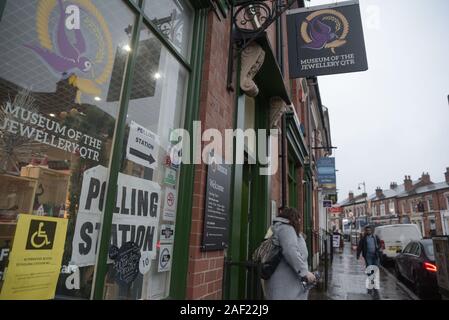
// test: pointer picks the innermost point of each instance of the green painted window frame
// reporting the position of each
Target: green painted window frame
(292, 176)
(178, 281)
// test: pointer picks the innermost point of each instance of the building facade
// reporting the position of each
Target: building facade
(92, 94)
(420, 201)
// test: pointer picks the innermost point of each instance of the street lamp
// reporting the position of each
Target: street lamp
(364, 192)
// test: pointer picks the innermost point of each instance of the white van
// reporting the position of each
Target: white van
(393, 238)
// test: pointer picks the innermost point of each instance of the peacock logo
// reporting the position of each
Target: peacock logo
(63, 46)
(325, 29)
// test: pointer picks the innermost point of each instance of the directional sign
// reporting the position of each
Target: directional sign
(141, 155)
(142, 146)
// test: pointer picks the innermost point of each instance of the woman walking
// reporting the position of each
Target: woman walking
(285, 283)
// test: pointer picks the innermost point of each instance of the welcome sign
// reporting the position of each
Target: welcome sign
(326, 40)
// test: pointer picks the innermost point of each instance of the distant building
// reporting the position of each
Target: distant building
(421, 202)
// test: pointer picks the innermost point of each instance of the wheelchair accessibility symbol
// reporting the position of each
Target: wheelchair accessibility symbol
(41, 235)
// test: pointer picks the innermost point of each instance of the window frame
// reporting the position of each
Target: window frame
(178, 278)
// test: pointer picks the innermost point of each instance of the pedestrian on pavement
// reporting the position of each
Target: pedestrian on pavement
(369, 247)
(285, 283)
(342, 242)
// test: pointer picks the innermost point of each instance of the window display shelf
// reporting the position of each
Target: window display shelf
(16, 196)
(51, 191)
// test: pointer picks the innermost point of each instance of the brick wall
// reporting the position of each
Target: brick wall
(205, 272)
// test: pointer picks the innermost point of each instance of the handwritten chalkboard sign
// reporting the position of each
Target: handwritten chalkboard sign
(217, 207)
(126, 262)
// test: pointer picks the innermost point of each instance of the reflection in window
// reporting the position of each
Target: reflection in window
(56, 126)
(156, 107)
(174, 18)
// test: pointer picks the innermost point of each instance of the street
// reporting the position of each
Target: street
(347, 281)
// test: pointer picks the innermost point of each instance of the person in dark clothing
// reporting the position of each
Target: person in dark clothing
(369, 247)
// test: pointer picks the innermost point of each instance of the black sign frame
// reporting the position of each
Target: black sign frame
(332, 45)
(217, 202)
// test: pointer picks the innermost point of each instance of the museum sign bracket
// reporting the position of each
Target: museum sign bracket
(250, 19)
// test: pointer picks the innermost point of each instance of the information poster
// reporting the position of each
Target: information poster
(35, 258)
(217, 207)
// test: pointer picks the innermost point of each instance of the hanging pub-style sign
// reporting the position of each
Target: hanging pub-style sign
(326, 40)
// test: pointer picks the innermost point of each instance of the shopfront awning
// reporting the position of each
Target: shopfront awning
(269, 79)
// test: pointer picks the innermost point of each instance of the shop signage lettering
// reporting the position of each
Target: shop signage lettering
(33, 125)
(326, 40)
(142, 146)
(135, 218)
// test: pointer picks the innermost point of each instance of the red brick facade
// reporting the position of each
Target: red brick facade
(205, 273)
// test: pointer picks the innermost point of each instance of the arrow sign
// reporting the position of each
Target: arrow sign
(141, 155)
(142, 146)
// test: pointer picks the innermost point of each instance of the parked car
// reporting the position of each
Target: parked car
(395, 237)
(416, 264)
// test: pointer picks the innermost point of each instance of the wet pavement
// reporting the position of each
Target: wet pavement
(347, 281)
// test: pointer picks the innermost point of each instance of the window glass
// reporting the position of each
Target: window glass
(174, 18)
(58, 72)
(408, 247)
(149, 173)
(416, 250)
(428, 248)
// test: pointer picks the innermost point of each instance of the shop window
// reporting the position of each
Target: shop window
(150, 171)
(174, 19)
(56, 131)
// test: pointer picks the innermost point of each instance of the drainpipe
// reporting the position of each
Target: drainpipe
(279, 41)
(283, 162)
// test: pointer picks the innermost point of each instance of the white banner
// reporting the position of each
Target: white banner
(135, 218)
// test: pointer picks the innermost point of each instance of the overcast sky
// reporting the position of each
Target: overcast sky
(393, 119)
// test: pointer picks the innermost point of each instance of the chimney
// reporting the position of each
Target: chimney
(425, 178)
(393, 185)
(351, 196)
(379, 192)
(408, 184)
(446, 174)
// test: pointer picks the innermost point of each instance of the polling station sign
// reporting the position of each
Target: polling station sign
(325, 40)
(135, 217)
(142, 146)
(35, 258)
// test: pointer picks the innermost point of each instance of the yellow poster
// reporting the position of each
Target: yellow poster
(35, 258)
